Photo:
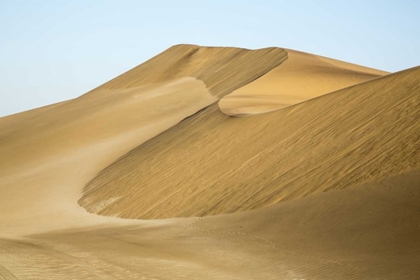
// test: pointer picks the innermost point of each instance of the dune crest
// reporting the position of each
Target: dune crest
(221, 69)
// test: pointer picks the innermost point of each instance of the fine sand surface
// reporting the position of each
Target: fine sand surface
(152, 143)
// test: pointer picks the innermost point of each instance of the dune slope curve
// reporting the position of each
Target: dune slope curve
(212, 164)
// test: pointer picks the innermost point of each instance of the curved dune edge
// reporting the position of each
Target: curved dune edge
(301, 77)
(212, 164)
(249, 105)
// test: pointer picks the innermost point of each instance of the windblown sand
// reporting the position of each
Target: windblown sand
(326, 188)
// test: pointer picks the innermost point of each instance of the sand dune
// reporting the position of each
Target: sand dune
(214, 164)
(303, 76)
(152, 143)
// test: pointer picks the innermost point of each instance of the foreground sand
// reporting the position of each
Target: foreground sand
(362, 140)
(366, 232)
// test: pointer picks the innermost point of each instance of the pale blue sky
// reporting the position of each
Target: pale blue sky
(56, 50)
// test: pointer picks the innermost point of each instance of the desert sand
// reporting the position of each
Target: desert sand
(155, 174)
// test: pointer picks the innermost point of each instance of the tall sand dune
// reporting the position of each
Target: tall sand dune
(152, 143)
(212, 164)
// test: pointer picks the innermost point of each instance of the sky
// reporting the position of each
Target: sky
(54, 50)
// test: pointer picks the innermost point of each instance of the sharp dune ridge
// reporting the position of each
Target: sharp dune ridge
(326, 186)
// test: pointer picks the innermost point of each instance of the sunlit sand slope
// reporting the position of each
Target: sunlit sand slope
(301, 77)
(221, 69)
(212, 164)
(366, 232)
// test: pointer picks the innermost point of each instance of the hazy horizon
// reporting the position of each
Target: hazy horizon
(53, 51)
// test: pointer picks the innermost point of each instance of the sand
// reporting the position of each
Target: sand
(323, 189)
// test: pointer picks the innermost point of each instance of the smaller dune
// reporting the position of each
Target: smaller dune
(301, 77)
